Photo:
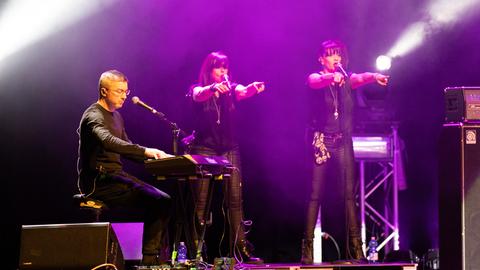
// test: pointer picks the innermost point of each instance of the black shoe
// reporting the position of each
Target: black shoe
(246, 253)
(357, 252)
(307, 251)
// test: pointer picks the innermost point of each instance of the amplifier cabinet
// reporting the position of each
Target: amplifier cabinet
(459, 196)
(462, 104)
(69, 246)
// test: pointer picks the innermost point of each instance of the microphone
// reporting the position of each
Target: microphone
(138, 102)
(225, 78)
(339, 68)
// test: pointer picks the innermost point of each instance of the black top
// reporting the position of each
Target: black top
(322, 108)
(102, 141)
(214, 122)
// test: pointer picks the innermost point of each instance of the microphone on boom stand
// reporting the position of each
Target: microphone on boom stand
(138, 102)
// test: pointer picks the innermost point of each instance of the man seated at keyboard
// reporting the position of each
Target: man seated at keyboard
(103, 141)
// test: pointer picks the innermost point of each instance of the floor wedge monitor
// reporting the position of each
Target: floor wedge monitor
(70, 246)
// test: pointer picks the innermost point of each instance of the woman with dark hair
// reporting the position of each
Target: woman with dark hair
(215, 98)
(331, 107)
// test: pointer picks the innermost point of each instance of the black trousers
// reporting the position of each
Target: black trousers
(120, 189)
(333, 187)
(232, 189)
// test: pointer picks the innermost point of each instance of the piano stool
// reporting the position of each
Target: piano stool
(87, 204)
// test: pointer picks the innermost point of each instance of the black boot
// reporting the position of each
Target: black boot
(246, 249)
(358, 253)
(307, 251)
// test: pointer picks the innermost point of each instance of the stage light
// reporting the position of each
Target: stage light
(23, 22)
(383, 62)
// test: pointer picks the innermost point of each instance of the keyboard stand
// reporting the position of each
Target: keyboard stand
(183, 169)
(182, 223)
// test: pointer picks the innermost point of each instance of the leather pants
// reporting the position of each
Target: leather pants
(338, 171)
(232, 189)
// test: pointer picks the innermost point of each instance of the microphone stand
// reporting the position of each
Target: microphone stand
(181, 223)
(175, 135)
(176, 132)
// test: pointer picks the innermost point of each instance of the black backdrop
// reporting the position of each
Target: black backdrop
(45, 87)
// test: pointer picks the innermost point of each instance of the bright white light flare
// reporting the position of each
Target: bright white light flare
(22, 22)
(383, 62)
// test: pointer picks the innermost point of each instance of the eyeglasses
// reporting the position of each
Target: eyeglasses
(121, 91)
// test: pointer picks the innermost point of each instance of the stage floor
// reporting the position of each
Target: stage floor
(330, 266)
(285, 266)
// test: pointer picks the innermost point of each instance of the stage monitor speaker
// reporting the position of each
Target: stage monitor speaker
(459, 196)
(69, 246)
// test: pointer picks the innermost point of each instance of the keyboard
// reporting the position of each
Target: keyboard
(189, 166)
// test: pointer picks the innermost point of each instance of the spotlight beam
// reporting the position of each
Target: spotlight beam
(22, 22)
(411, 38)
(440, 14)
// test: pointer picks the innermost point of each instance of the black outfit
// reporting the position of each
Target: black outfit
(333, 170)
(103, 141)
(216, 135)
(215, 121)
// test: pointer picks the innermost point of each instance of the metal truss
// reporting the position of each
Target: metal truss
(381, 181)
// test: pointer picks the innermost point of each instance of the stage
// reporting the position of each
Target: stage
(285, 266)
(334, 266)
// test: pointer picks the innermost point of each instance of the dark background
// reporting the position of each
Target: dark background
(159, 45)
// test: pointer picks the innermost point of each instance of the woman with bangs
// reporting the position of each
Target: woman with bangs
(214, 98)
(333, 172)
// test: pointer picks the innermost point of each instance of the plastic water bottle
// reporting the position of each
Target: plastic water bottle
(182, 253)
(372, 250)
